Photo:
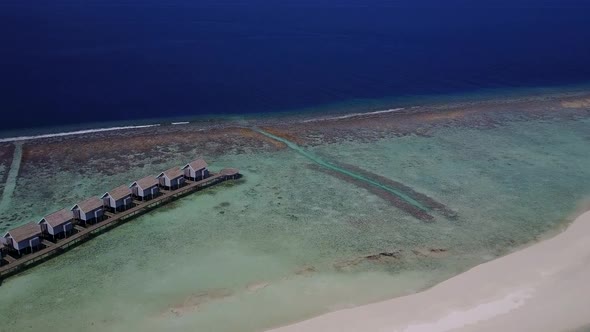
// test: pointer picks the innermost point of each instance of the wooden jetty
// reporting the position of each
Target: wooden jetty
(82, 233)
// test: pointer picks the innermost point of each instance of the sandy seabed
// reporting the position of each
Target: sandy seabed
(543, 287)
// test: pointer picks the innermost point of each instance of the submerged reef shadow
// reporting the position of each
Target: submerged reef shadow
(427, 201)
(382, 193)
(390, 193)
(396, 256)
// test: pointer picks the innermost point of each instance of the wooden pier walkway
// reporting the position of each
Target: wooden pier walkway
(112, 219)
(10, 259)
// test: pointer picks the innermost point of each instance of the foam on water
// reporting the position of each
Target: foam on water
(353, 115)
(76, 132)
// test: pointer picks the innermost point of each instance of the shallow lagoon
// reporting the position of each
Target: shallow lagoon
(287, 242)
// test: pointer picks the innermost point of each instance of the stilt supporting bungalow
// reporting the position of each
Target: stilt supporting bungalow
(2, 249)
(23, 237)
(196, 170)
(118, 199)
(146, 188)
(57, 224)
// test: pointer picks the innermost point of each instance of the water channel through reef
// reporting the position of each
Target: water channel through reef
(406, 199)
(11, 178)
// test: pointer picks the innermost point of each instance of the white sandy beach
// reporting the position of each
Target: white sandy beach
(544, 287)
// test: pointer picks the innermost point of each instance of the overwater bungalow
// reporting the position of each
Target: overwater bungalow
(230, 173)
(172, 178)
(89, 210)
(33, 235)
(23, 237)
(145, 188)
(118, 199)
(58, 223)
(196, 170)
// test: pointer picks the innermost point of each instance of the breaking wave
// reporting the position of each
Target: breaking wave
(77, 132)
(354, 115)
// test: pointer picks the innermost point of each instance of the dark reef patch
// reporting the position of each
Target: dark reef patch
(391, 257)
(6, 153)
(422, 198)
(423, 119)
(110, 153)
(382, 193)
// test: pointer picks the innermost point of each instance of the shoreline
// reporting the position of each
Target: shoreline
(541, 287)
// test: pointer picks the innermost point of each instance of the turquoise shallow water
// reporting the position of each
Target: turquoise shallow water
(287, 242)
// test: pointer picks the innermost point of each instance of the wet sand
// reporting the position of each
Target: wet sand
(540, 288)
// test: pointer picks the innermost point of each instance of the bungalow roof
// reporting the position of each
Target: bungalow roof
(173, 173)
(58, 218)
(26, 231)
(147, 182)
(118, 193)
(197, 164)
(89, 204)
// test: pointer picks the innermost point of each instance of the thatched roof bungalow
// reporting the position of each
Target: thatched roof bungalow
(23, 237)
(145, 188)
(172, 178)
(60, 222)
(196, 170)
(118, 199)
(90, 209)
(230, 173)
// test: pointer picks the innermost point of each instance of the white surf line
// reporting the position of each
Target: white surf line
(77, 132)
(354, 115)
(10, 183)
(180, 123)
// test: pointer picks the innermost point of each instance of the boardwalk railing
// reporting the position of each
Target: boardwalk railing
(113, 219)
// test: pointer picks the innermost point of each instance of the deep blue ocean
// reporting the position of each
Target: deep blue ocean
(72, 61)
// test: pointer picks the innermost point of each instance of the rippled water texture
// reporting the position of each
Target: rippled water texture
(291, 239)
